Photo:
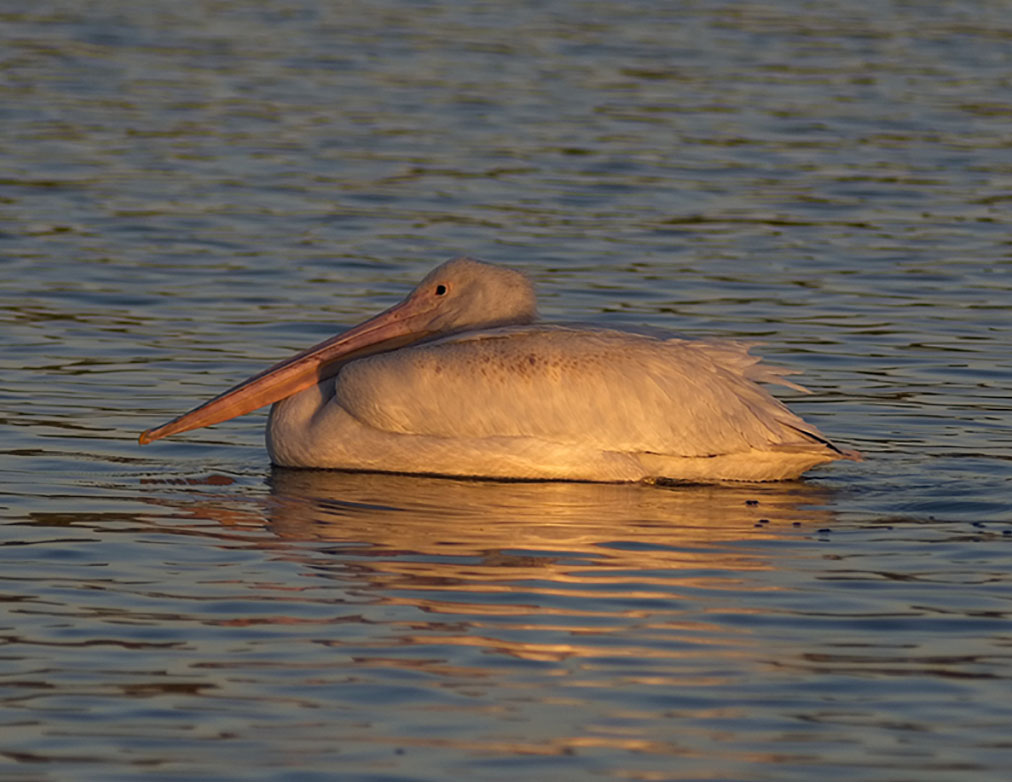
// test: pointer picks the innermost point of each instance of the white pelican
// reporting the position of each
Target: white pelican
(460, 379)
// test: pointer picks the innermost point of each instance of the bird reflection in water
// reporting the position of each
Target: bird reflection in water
(483, 549)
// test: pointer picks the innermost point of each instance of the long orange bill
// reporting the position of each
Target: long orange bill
(400, 325)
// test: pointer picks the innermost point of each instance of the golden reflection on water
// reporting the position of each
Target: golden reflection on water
(415, 538)
(438, 532)
(597, 613)
(464, 517)
(583, 577)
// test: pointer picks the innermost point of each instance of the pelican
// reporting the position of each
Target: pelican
(461, 379)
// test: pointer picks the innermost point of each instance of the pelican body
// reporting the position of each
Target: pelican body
(460, 379)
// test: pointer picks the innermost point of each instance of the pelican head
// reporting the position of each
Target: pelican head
(462, 294)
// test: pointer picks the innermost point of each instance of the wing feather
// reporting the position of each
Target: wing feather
(613, 390)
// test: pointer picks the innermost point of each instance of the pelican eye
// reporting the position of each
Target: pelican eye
(440, 290)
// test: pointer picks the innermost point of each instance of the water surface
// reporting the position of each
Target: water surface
(192, 190)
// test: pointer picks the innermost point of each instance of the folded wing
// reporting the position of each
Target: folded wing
(611, 390)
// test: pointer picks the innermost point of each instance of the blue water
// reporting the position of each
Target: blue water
(191, 190)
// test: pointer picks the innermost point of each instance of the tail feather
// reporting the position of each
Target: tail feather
(734, 355)
(814, 434)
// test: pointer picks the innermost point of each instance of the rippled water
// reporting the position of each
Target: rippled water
(191, 190)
